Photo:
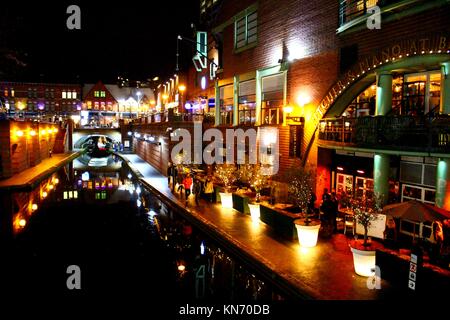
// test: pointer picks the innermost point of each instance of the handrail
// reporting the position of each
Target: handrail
(411, 132)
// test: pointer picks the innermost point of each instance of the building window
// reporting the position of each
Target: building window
(348, 56)
(226, 105)
(64, 95)
(89, 105)
(12, 92)
(96, 94)
(69, 95)
(247, 102)
(102, 94)
(344, 184)
(246, 30)
(351, 9)
(426, 195)
(422, 93)
(272, 99)
(74, 94)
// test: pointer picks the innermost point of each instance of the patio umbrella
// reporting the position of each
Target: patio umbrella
(416, 211)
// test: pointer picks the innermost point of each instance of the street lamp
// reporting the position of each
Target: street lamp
(181, 89)
(139, 94)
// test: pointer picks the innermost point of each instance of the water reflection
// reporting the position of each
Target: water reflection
(95, 216)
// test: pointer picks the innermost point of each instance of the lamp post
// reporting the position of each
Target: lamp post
(181, 89)
(139, 94)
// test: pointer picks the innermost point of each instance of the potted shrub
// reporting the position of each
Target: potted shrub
(257, 177)
(365, 211)
(227, 174)
(300, 191)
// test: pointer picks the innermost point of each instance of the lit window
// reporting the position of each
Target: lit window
(272, 99)
(102, 94)
(74, 95)
(12, 92)
(96, 94)
(64, 95)
(69, 95)
(246, 30)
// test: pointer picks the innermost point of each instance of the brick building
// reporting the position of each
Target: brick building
(106, 104)
(35, 100)
(365, 105)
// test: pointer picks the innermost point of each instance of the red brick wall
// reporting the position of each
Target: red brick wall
(5, 156)
(432, 21)
(158, 156)
(22, 152)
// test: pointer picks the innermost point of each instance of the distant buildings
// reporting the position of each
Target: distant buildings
(89, 104)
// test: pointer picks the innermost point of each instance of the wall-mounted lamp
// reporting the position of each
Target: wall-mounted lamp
(288, 110)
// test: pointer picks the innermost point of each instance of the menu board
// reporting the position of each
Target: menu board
(376, 229)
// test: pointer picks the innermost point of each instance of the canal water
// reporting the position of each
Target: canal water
(93, 214)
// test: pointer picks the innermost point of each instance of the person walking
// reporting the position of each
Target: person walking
(180, 180)
(209, 189)
(187, 184)
(197, 189)
(169, 173)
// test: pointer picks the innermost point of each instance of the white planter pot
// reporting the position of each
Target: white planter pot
(226, 199)
(307, 234)
(255, 211)
(364, 262)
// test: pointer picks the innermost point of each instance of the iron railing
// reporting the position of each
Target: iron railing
(352, 9)
(422, 134)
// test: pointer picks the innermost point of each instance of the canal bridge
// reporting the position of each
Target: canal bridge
(80, 135)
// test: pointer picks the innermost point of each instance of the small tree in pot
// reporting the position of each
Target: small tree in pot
(365, 212)
(300, 182)
(255, 175)
(226, 173)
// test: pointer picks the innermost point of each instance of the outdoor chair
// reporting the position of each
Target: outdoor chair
(349, 224)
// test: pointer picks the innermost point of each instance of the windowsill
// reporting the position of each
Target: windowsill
(246, 47)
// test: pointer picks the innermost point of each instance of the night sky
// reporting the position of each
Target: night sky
(136, 40)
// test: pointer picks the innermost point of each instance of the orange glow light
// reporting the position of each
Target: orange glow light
(288, 109)
(32, 133)
(22, 223)
(19, 133)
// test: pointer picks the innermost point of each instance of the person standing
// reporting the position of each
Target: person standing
(169, 173)
(174, 177)
(187, 184)
(197, 190)
(209, 189)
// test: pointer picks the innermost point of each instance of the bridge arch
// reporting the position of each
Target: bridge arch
(82, 135)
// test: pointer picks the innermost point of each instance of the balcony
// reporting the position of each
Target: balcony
(355, 12)
(405, 133)
(351, 9)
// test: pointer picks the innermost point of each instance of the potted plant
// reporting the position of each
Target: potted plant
(227, 174)
(300, 191)
(365, 212)
(257, 177)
